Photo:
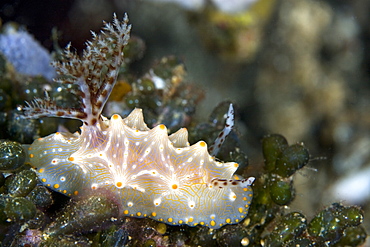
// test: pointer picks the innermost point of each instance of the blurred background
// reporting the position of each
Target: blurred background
(299, 68)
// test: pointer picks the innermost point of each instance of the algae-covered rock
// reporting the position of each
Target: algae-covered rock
(22, 183)
(83, 216)
(19, 209)
(12, 155)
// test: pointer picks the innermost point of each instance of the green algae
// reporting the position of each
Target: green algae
(22, 183)
(19, 209)
(41, 197)
(281, 191)
(83, 216)
(12, 155)
(288, 227)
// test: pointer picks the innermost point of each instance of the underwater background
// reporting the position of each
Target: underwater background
(297, 68)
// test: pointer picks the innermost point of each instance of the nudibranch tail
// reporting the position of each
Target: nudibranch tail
(152, 174)
(95, 73)
(215, 148)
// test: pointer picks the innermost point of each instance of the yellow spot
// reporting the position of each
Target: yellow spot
(244, 198)
(212, 217)
(138, 214)
(202, 144)
(191, 219)
(119, 184)
(162, 127)
(31, 156)
(48, 185)
(250, 195)
(43, 180)
(57, 133)
(29, 148)
(64, 191)
(240, 210)
(246, 205)
(234, 196)
(245, 189)
(154, 214)
(169, 219)
(202, 223)
(228, 221)
(213, 223)
(93, 187)
(71, 159)
(180, 222)
(237, 220)
(125, 212)
(75, 193)
(56, 186)
(236, 165)
(41, 170)
(174, 186)
(115, 117)
(236, 177)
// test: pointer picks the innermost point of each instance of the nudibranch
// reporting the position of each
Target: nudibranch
(150, 173)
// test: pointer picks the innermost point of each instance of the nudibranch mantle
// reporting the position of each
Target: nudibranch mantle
(149, 173)
(154, 175)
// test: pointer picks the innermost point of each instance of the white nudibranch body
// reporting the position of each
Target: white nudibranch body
(150, 173)
(152, 176)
